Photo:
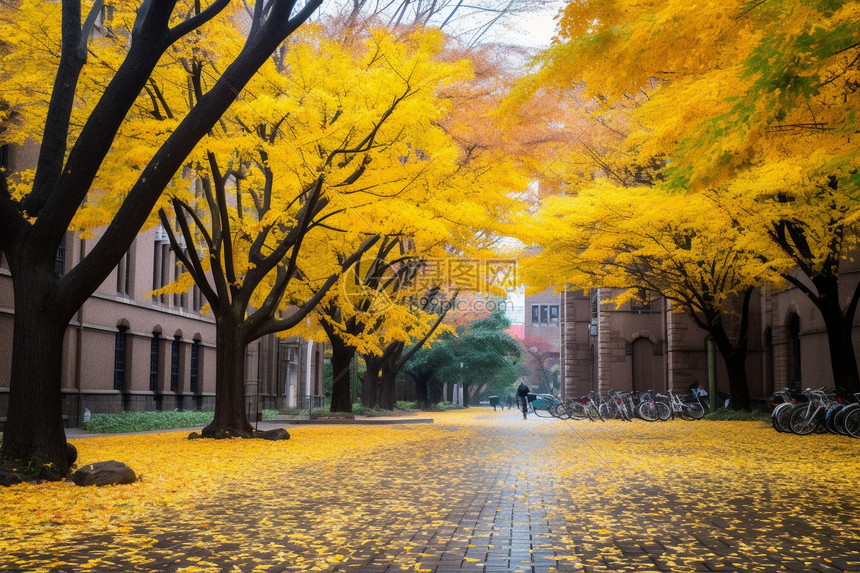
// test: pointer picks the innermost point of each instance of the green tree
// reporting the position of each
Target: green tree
(480, 355)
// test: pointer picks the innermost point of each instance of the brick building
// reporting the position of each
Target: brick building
(641, 346)
(128, 350)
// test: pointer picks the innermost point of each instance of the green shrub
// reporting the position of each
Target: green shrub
(729, 415)
(406, 406)
(270, 414)
(143, 421)
(448, 406)
(324, 413)
(359, 410)
(295, 411)
(376, 411)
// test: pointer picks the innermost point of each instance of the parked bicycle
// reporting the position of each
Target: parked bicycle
(686, 407)
(652, 408)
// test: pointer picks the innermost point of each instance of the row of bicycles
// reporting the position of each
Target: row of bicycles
(613, 404)
(816, 410)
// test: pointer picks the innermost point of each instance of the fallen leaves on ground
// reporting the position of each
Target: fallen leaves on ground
(477, 489)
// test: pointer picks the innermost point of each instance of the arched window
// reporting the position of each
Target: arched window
(174, 363)
(154, 360)
(120, 357)
(194, 373)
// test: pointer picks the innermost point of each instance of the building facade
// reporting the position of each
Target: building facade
(640, 346)
(129, 349)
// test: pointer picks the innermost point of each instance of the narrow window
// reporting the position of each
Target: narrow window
(123, 275)
(174, 365)
(194, 374)
(180, 299)
(196, 298)
(154, 360)
(119, 362)
(535, 314)
(544, 314)
(553, 313)
(156, 265)
(60, 260)
(165, 270)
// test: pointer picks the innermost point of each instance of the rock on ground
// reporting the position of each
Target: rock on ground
(104, 473)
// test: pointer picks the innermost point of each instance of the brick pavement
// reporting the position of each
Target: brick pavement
(512, 496)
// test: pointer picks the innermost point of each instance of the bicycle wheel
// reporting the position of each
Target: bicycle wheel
(694, 411)
(647, 411)
(802, 421)
(782, 415)
(830, 418)
(607, 411)
(577, 410)
(851, 423)
(774, 416)
(664, 412)
(839, 422)
(560, 412)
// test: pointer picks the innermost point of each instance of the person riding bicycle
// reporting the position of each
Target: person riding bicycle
(522, 398)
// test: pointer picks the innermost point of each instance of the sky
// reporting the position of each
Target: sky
(538, 29)
(532, 24)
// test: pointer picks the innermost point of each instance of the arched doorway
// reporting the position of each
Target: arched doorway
(647, 366)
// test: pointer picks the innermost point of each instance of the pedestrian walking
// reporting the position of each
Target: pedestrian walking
(522, 398)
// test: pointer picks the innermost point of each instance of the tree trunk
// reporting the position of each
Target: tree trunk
(843, 361)
(341, 360)
(230, 420)
(34, 439)
(388, 384)
(421, 400)
(735, 358)
(434, 389)
(370, 395)
(390, 364)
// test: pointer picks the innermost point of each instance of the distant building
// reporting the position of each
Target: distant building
(536, 322)
(642, 346)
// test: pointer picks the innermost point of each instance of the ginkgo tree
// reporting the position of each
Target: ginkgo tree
(316, 151)
(751, 104)
(379, 387)
(469, 184)
(99, 72)
(350, 316)
(642, 238)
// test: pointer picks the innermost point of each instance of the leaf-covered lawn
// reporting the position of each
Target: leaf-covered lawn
(477, 489)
